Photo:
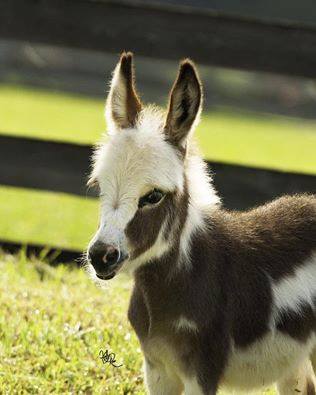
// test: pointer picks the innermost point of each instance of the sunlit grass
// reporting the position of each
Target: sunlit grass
(261, 141)
(225, 135)
(53, 324)
(50, 116)
(49, 218)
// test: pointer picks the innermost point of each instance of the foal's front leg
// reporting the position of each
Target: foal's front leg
(192, 387)
(159, 381)
(301, 381)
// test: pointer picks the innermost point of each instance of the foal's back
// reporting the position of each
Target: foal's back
(277, 237)
(271, 288)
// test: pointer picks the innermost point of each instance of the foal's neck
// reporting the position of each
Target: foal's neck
(170, 280)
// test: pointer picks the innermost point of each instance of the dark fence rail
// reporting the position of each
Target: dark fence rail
(52, 255)
(63, 167)
(173, 31)
(290, 11)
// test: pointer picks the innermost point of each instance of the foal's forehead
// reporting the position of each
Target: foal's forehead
(140, 157)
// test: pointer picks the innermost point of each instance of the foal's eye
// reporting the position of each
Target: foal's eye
(152, 197)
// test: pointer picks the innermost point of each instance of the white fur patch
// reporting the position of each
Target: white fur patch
(203, 198)
(265, 361)
(202, 192)
(185, 324)
(161, 381)
(157, 250)
(193, 223)
(297, 381)
(137, 159)
(192, 387)
(295, 291)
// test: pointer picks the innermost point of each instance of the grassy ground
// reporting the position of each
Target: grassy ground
(53, 324)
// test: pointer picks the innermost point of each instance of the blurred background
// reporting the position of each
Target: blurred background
(254, 120)
(258, 134)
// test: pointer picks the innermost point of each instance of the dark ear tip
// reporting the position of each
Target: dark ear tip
(188, 69)
(126, 57)
(126, 62)
(186, 61)
(187, 65)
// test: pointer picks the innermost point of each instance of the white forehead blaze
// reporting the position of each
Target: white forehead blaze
(131, 163)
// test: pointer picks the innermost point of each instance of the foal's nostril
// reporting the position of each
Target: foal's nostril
(112, 255)
(96, 258)
(102, 256)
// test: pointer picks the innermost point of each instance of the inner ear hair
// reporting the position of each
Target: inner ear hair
(184, 104)
(123, 104)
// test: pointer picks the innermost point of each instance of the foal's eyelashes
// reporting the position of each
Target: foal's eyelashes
(151, 198)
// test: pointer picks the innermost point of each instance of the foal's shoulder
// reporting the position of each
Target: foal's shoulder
(300, 203)
(281, 230)
(285, 213)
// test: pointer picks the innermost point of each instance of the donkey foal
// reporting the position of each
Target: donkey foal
(220, 298)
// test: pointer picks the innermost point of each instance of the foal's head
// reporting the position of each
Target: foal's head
(145, 173)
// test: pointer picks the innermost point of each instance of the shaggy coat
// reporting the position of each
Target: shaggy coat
(220, 298)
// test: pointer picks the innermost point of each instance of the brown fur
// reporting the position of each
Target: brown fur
(227, 292)
(144, 228)
(184, 103)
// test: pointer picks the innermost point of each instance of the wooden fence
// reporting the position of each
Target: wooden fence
(228, 36)
(243, 37)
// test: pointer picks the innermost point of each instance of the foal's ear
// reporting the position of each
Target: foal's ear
(185, 103)
(123, 104)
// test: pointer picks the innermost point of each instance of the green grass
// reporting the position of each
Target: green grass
(54, 322)
(49, 218)
(50, 116)
(235, 137)
(271, 142)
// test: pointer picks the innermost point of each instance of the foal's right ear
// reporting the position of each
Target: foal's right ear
(123, 104)
(184, 104)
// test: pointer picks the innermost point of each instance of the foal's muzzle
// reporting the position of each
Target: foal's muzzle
(106, 259)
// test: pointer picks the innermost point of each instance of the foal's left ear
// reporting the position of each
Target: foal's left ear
(184, 104)
(123, 104)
